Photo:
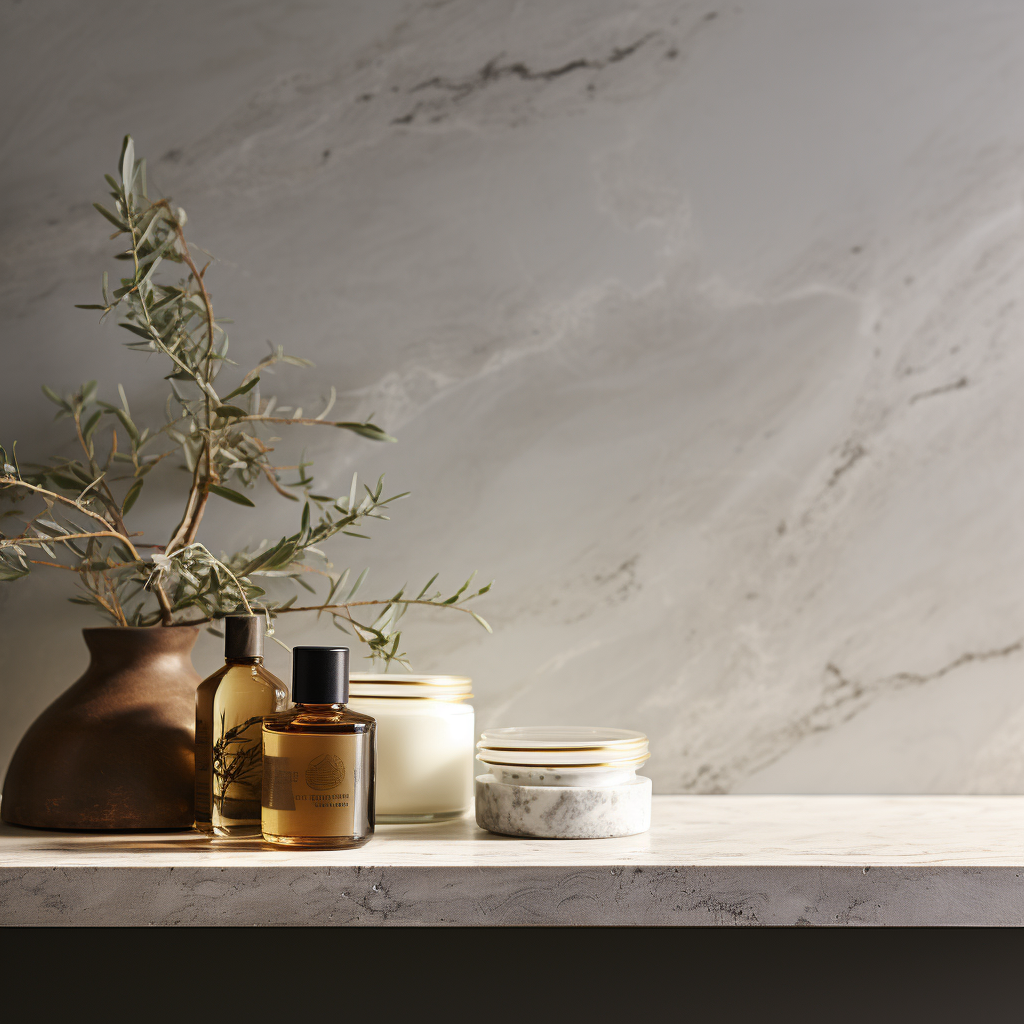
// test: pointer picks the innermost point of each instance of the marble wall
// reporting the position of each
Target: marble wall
(699, 324)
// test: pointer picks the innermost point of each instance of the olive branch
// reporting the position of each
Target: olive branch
(223, 441)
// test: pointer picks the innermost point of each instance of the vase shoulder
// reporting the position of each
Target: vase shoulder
(115, 750)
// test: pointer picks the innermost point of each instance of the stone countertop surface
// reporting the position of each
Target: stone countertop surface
(707, 860)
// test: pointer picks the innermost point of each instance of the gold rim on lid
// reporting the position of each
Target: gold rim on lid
(567, 747)
(370, 686)
(636, 762)
(553, 759)
(409, 679)
(561, 737)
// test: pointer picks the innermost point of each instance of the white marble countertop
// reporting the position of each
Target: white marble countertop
(706, 860)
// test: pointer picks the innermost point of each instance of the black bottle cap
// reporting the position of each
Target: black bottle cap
(243, 637)
(320, 675)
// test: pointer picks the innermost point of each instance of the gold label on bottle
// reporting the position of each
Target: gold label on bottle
(314, 785)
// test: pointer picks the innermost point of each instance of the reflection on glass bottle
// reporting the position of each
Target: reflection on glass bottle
(230, 707)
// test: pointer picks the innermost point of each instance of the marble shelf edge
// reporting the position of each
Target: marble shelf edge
(501, 896)
(840, 861)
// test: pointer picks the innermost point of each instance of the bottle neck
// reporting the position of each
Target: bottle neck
(243, 661)
(320, 707)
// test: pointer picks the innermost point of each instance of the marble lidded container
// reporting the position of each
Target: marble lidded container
(563, 782)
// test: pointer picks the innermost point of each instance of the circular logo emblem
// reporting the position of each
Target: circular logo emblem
(326, 771)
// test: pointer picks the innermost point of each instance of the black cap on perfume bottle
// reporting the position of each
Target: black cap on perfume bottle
(243, 637)
(320, 675)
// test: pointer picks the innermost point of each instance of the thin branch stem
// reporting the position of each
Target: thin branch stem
(112, 592)
(57, 565)
(114, 509)
(115, 613)
(181, 530)
(9, 542)
(338, 607)
(269, 473)
(75, 568)
(12, 481)
(204, 483)
(166, 611)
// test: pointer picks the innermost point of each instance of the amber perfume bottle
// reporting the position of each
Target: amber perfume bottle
(230, 707)
(319, 760)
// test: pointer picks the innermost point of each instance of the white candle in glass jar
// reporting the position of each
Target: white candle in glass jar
(425, 744)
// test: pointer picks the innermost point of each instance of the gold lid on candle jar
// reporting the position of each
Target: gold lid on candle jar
(408, 686)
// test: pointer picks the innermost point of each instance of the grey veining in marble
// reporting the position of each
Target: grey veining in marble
(563, 812)
(732, 860)
(699, 325)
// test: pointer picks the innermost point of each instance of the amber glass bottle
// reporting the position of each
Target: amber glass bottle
(230, 707)
(319, 760)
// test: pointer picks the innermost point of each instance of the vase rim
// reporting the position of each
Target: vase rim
(138, 629)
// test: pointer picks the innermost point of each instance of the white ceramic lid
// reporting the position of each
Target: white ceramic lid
(554, 746)
(560, 737)
(561, 759)
(581, 771)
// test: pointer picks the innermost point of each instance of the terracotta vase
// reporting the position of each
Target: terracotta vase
(115, 751)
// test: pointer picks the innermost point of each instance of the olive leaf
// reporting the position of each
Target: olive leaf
(226, 492)
(131, 496)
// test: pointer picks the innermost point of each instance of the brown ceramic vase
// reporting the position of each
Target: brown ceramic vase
(115, 751)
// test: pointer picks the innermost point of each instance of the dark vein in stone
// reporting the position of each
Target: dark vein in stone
(845, 693)
(955, 386)
(854, 453)
(494, 71)
(843, 699)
